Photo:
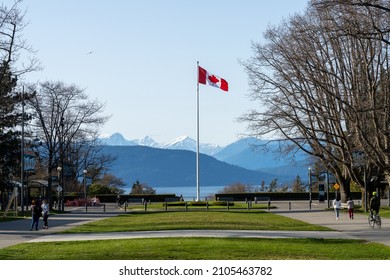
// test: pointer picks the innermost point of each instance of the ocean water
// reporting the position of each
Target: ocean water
(188, 193)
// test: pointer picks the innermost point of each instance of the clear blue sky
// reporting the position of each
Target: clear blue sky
(139, 57)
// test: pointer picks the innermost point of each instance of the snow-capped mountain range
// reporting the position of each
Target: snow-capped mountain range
(239, 157)
(240, 154)
(180, 143)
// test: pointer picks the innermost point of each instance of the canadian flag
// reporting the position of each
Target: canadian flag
(207, 78)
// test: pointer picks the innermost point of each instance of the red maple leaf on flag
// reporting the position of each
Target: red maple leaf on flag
(213, 79)
(207, 78)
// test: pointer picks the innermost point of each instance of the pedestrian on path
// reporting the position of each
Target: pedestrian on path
(350, 206)
(45, 211)
(35, 214)
(337, 207)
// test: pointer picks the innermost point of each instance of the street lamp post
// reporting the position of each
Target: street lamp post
(22, 162)
(59, 188)
(310, 187)
(365, 188)
(62, 163)
(85, 188)
(327, 187)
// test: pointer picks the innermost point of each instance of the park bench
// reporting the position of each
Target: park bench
(261, 198)
(170, 199)
(135, 200)
(225, 198)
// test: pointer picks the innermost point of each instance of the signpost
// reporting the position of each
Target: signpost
(59, 190)
(336, 187)
(321, 192)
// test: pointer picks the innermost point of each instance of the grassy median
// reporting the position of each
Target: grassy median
(228, 220)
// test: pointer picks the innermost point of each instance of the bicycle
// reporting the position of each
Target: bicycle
(374, 220)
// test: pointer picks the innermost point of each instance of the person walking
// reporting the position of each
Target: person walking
(45, 211)
(350, 206)
(35, 214)
(337, 207)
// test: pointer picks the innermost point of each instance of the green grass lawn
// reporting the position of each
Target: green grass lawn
(231, 220)
(199, 249)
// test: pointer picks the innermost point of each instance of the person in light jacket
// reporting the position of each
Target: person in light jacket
(45, 211)
(337, 207)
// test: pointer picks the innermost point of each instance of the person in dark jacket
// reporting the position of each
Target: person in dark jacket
(350, 206)
(374, 204)
(35, 214)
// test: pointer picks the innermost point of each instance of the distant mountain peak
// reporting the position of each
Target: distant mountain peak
(117, 135)
(116, 139)
(180, 143)
(149, 142)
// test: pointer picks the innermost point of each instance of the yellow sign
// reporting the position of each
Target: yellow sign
(336, 186)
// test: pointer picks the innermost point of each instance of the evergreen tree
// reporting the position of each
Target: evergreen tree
(11, 46)
(273, 186)
(9, 144)
(142, 188)
(298, 186)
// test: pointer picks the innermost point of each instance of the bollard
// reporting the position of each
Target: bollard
(269, 204)
(86, 208)
(207, 205)
(289, 205)
(310, 204)
(186, 205)
(228, 205)
(146, 206)
(166, 206)
(104, 208)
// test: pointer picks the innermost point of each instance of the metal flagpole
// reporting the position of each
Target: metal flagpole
(197, 136)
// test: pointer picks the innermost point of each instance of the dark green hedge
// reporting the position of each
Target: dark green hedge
(275, 196)
(111, 198)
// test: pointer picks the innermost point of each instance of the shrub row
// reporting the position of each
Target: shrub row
(277, 196)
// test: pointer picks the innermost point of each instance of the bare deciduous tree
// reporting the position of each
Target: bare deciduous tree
(67, 122)
(314, 81)
(12, 43)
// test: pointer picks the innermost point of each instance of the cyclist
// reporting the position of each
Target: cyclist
(374, 205)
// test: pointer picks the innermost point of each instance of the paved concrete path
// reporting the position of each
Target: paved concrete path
(356, 228)
(16, 232)
(192, 233)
